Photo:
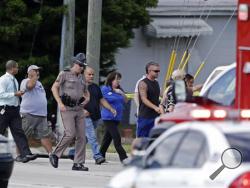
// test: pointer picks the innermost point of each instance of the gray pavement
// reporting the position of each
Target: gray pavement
(40, 174)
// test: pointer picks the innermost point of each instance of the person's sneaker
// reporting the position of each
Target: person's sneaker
(31, 156)
(125, 161)
(53, 159)
(21, 159)
(79, 167)
(100, 160)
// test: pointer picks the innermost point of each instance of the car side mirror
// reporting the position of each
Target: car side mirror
(180, 90)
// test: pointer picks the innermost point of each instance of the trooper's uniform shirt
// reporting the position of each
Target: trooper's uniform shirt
(73, 85)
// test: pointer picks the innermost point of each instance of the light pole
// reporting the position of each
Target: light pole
(67, 45)
(94, 36)
(68, 34)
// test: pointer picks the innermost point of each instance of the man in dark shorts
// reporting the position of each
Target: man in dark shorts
(33, 109)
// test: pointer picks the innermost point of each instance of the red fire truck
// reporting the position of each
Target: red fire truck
(242, 100)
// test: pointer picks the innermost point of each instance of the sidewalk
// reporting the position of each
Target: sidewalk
(109, 156)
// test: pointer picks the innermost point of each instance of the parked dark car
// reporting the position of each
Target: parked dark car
(6, 161)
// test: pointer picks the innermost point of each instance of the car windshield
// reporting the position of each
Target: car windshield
(241, 142)
(214, 75)
(223, 90)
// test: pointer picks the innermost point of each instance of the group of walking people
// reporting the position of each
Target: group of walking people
(81, 103)
(81, 118)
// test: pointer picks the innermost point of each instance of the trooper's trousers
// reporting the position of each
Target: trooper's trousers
(74, 130)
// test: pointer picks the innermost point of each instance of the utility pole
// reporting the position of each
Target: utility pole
(67, 46)
(94, 36)
(68, 34)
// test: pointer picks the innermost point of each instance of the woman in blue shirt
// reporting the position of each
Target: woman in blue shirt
(115, 96)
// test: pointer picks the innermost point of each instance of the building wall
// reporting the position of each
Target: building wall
(131, 61)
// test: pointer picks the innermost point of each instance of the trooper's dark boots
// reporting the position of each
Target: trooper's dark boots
(100, 160)
(26, 158)
(79, 167)
(53, 159)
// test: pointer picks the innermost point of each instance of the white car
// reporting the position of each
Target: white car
(186, 155)
(222, 88)
(216, 74)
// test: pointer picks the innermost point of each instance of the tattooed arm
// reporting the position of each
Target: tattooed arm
(143, 95)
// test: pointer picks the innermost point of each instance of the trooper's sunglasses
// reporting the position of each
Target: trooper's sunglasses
(80, 65)
(156, 71)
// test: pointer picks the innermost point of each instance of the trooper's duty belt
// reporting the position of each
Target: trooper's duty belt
(68, 101)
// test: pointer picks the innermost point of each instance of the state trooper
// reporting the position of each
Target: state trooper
(71, 94)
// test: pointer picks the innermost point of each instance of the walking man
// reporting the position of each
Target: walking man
(71, 94)
(33, 108)
(93, 114)
(9, 110)
(149, 92)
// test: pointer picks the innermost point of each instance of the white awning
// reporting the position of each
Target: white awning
(172, 27)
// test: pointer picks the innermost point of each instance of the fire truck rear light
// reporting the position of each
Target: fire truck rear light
(242, 181)
(201, 113)
(243, 12)
(220, 113)
(245, 113)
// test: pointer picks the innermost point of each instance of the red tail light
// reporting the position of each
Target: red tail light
(243, 181)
